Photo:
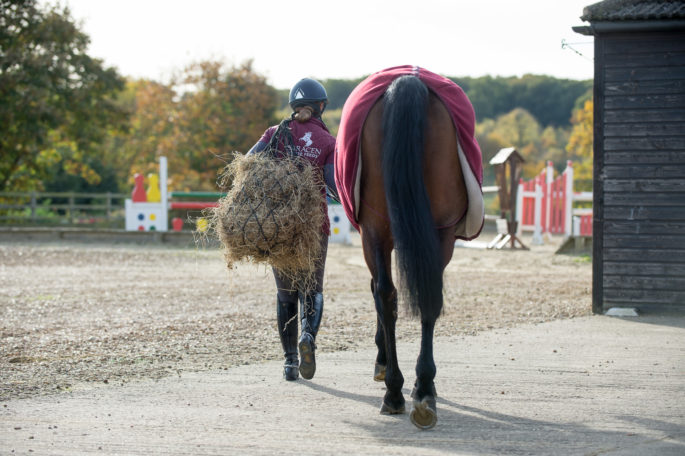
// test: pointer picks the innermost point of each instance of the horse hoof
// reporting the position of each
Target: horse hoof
(379, 372)
(423, 413)
(413, 391)
(390, 410)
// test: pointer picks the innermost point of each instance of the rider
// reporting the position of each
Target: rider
(311, 140)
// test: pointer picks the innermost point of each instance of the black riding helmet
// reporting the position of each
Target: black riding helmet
(308, 92)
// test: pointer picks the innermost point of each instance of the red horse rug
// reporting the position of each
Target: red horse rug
(348, 144)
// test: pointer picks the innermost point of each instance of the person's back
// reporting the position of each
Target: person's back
(310, 139)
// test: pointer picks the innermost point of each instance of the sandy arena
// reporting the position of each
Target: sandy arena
(74, 314)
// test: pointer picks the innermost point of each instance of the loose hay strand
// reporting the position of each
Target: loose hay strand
(272, 214)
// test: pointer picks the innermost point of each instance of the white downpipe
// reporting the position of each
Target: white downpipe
(519, 209)
(549, 179)
(568, 229)
(537, 232)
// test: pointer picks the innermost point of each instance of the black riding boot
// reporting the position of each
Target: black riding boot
(286, 313)
(311, 309)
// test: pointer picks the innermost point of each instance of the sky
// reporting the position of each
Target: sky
(338, 39)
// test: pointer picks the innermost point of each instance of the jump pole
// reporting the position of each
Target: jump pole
(163, 191)
(148, 216)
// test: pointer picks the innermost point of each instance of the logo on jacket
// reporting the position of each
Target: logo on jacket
(307, 138)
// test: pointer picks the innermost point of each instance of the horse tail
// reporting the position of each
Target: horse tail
(416, 240)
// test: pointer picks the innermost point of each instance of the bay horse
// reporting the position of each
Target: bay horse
(412, 192)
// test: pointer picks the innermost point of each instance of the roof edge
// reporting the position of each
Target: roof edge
(596, 28)
(634, 10)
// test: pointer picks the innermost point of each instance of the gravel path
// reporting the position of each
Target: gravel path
(101, 313)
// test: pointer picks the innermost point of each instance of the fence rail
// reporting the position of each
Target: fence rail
(62, 208)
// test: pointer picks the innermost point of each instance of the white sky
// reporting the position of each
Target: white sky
(288, 40)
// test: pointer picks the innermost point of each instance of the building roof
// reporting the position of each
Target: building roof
(504, 154)
(634, 10)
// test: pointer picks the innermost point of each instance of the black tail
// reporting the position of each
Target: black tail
(416, 238)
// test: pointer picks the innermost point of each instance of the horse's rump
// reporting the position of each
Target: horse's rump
(355, 111)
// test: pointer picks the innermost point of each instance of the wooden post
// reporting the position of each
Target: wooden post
(108, 209)
(34, 205)
(71, 208)
(508, 197)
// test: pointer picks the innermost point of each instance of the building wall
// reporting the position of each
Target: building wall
(639, 188)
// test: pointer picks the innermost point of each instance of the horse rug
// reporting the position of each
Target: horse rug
(348, 144)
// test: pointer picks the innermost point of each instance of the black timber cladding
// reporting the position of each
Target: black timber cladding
(639, 169)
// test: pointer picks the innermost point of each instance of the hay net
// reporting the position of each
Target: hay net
(274, 210)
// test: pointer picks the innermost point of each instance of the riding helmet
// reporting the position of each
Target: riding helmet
(308, 92)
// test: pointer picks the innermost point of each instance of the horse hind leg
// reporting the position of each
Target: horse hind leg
(381, 357)
(385, 299)
(386, 306)
(380, 367)
(424, 412)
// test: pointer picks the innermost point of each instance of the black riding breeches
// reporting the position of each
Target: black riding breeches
(287, 291)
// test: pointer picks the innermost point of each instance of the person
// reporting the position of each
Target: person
(311, 140)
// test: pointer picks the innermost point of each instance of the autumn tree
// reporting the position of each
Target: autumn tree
(579, 145)
(222, 110)
(197, 120)
(150, 131)
(56, 102)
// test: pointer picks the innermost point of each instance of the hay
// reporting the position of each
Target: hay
(272, 214)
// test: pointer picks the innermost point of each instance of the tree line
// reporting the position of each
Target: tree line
(550, 100)
(69, 123)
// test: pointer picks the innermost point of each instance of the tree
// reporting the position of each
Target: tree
(222, 111)
(56, 102)
(338, 90)
(580, 142)
(548, 99)
(149, 133)
(490, 143)
(489, 96)
(197, 121)
(518, 128)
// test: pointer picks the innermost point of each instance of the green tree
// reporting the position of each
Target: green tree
(548, 99)
(553, 143)
(56, 102)
(489, 96)
(519, 128)
(338, 90)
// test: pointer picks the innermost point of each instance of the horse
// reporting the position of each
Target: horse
(413, 192)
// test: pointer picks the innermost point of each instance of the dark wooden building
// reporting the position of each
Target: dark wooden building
(639, 154)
